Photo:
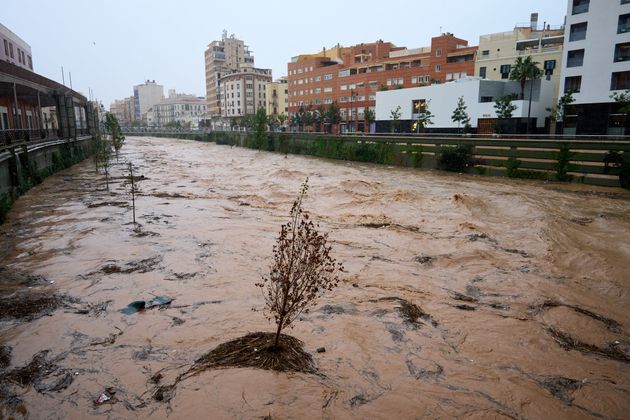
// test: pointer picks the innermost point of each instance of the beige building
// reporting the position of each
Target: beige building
(184, 109)
(124, 110)
(498, 52)
(221, 58)
(14, 49)
(243, 91)
(277, 94)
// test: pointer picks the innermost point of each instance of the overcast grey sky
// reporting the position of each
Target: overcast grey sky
(112, 45)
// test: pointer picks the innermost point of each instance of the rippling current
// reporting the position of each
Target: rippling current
(525, 286)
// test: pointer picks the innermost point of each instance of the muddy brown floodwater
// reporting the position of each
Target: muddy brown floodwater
(520, 291)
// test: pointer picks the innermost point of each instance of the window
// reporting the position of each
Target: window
(577, 32)
(438, 68)
(328, 76)
(318, 78)
(343, 87)
(625, 1)
(6, 48)
(342, 99)
(572, 84)
(328, 89)
(485, 53)
(580, 6)
(482, 72)
(344, 73)
(505, 71)
(11, 48)
(486, 99)
(549, 66)
(372, 97)
(438, 52)
(620, 80)
(449, 76)
(623, 25)
(575, 58)
(622, 51)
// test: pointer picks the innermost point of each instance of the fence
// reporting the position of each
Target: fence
(598, 162)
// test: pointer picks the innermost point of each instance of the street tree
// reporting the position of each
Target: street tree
(333, 115)
(260, 121)
(460, 116)
(369, 116)
(424, 117)
(394, 115)
(504, 107)
(112, 127)
(623, 101)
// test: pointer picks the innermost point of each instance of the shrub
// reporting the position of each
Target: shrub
(512, 164)
(302, 269)
(455, 159)
(563, 163)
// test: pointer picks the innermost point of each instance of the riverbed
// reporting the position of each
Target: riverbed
(523, 286)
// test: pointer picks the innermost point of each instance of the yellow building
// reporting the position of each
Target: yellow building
(498, 52)
(277, 95)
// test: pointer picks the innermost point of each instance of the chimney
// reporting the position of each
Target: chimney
(534, 21)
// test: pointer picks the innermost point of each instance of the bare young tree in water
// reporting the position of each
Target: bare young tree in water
(302, 271)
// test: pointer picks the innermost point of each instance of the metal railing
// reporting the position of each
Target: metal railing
(18, 136)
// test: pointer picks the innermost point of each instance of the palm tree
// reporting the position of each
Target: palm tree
(524, 70)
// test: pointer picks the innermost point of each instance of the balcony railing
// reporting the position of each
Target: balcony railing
(9, 137)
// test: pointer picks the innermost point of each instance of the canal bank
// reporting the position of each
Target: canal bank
(593, 161)
(27, 165)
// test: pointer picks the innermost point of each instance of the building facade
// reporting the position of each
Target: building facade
(222, 57)
(351, 77)
(243, 91)
(277, 94)
(14, 49)
(145, 96)
(498, 52)
(596, 65)
(181, 109)
(479, 96)
(124, 110)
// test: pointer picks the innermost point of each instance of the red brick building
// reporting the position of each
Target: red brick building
(351, 76)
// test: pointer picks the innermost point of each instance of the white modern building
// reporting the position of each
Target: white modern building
(14, 49)
(145, 96)
(596, 63)
(479, 96)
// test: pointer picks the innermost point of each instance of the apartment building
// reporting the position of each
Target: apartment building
(277, 94)
(181, 108)
(124, 110)
(596, 64)
(145, 96)
(243, 91)
(222, 57)
(498, 52)
(351, 76)
(14, 49)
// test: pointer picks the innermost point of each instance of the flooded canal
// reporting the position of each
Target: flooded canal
(523, 286)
